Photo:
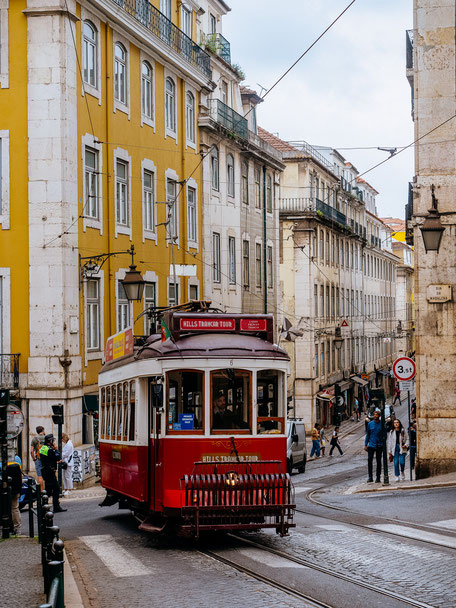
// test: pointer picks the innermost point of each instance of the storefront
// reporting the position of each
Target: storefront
(325, 406)
(361, 391)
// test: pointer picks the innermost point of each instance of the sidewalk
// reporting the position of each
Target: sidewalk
(439, 481)
(21, 581)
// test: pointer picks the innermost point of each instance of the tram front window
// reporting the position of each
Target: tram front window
(270, 401)
(231, 400)
(185, 400)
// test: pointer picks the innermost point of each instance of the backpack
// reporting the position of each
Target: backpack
(37, 448)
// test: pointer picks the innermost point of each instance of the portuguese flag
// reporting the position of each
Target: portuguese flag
(165, 333)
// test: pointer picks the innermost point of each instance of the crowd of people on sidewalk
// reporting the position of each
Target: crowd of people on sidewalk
(400, 441)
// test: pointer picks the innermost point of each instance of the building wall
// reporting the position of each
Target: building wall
(434, 94)
(47, 119)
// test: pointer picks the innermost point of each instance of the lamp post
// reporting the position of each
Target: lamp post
(432, 228)
(133, 283)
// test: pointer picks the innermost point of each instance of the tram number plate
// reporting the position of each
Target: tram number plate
(116, 455)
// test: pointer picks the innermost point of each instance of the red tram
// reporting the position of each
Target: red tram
(193, 427)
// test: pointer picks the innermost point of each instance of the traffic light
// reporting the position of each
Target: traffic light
(57, 411)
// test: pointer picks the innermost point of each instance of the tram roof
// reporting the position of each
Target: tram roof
(203, 346)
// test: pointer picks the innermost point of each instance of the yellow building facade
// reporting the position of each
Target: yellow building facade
(100, 151)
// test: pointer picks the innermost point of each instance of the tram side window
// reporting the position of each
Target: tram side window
(118, 412)
(270, 410)
(185, 400)
(231, 400)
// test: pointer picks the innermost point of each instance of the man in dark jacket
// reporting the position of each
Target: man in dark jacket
(14, 472)
(50, 457)
(373, 444)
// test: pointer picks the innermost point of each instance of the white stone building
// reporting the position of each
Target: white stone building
(337, 273)
(430, 71)
(240, 188)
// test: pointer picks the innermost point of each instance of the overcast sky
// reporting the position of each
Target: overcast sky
(350, 90)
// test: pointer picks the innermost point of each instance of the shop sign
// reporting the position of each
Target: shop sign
(439, 293)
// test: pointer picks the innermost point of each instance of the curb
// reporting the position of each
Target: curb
(73, 598)
(394, 488)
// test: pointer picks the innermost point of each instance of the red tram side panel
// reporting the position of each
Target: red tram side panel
(193, 428)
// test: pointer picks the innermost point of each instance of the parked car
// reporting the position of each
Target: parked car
(389, 415)
(296, 445)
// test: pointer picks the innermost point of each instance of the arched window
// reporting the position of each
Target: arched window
(230, 174)
(89, 54)
(190, 117)
(215, 167)
(120, 74)
(146, 89)
(170, 105)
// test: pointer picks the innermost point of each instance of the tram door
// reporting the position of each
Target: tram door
(155, 413)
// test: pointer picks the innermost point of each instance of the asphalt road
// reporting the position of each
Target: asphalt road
(355, 556)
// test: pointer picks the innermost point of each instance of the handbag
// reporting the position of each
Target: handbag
(64, 465)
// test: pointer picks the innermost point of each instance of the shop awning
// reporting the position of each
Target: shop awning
(344, 386)
(325, 395)
(359, 380)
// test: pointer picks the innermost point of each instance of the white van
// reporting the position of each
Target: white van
(296, 445)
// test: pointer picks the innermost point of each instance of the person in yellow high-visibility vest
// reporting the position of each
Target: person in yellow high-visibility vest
(50, 457)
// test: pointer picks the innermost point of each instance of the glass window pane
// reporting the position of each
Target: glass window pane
(185, 400)
(231, 399)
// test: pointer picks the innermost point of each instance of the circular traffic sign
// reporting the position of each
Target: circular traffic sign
(404, 368)
(15, 421)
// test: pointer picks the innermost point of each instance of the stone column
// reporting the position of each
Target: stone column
(54, 366)
(435, 103)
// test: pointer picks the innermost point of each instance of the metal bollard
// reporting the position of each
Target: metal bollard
(31, 495)
(56, 591)
(48, 521)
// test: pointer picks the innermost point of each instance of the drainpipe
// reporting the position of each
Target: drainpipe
(265, 263)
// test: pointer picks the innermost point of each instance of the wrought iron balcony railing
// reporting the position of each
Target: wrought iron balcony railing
(331, 213)
(308, 205)
(228, 118)
(220, 45)
(163, 28)
(9, 370)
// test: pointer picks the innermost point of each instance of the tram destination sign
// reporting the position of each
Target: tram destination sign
(197, 324)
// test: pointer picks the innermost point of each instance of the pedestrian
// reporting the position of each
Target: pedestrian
(315, 441)
(412, 440)
(50, 457)
(14, 472)
(373, 445)
(413, 410)
(335, 443)
(36, 444)
(397, 448)
(322, 441)
(356, 410)
(397, 395)
(67, 464)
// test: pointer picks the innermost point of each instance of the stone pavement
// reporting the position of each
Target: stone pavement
(21, 580)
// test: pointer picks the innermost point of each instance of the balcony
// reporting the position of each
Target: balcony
(309, 150)
(330, 213)
(308, 205)
(9, 370)
(409, 49)
(219, 45)
(228, 118)
(163, 28)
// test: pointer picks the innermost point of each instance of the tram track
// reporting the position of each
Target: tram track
(311, 602)
(407, 601)
(310, 496)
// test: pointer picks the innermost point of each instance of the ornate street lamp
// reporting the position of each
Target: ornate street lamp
(338, 340)
(133, 283)
(432, 228)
